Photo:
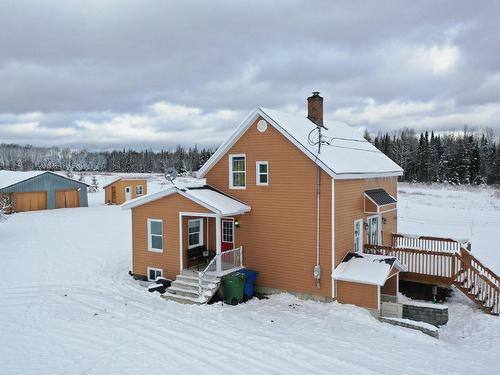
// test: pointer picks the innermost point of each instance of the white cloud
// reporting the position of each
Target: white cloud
(437, 59)
(161, 125)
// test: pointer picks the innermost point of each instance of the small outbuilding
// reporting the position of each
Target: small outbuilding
(41, 190)
(363, 279)
(124, 189)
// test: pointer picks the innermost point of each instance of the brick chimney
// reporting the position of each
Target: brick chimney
(315, 108)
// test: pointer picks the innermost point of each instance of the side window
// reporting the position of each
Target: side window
(237, 171)
(262, 173)
(155, 235)
(138, 190)
(195, 231)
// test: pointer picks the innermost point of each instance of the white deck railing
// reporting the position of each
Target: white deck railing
(221, 264)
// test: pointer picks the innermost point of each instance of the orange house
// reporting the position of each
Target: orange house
(286, 195)
(123, 189)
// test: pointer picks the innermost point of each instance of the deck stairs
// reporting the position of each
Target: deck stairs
(435, 260)
(479, 285)
(184, 289)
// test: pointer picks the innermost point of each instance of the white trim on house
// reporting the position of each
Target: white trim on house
(332, 229)
(238, 207)
(360, 236)
(250, 119)
(156, 270)
(231, 182)
(150, 245)
(378, 297)
(200, 233)
(229, 220)
(379, 228)
(258, 173)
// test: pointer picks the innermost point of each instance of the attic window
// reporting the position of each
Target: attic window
(237, 171)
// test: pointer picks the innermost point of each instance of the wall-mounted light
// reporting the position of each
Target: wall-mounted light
(365, 225)
(384, 220)
(236, 223)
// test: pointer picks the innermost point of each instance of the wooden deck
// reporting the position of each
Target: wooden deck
(444, 262)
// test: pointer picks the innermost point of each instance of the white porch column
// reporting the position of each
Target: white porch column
(218, 243)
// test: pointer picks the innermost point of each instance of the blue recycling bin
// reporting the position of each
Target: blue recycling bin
(251, 276)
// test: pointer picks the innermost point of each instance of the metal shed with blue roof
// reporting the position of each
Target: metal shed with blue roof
(40, 190)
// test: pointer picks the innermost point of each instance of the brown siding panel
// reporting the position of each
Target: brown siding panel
(166, 209)
(67, 198)
(32, 201)
(363, 295)
(279, 234)
(349, 206)
(391, 286)
(120, 190)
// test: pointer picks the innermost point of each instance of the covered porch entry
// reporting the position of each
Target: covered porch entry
(207, 240)
(208, 243)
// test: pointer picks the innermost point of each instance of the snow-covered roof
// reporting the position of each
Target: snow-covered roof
(207, 197)
(366, 268)
(348, 154)
(8, 178)
(123, 178)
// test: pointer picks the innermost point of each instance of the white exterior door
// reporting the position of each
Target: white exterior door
(128, 194)
(374, 230)
(358, 236)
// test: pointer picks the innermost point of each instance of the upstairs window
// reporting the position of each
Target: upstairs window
(237, 171)
(262, 169)
(155, 235)
(138, 190)
(195, 231)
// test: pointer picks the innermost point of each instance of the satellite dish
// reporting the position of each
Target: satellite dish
(170, 174)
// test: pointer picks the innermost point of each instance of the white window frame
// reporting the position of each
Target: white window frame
(142, 190)
(227, 220)
(231, 185)
(156, 270)
(200, 243)
(150, 248)
(258, 173)
(360, 236)
(379, 229)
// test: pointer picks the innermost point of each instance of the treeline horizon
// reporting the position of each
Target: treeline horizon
(458, 158)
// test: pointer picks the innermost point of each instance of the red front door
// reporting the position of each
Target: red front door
(227, 234)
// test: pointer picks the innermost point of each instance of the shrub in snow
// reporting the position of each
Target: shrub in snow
(5, 207)
(94, 186)
(69, 173)
(82, 177)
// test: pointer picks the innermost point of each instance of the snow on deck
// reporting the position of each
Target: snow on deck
(67, 305)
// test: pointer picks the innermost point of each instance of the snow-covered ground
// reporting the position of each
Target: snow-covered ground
(67, 306)
(466, 212)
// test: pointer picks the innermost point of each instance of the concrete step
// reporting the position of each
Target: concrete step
(194, 275)
(189, 292)
(195, 281)
(183, 299)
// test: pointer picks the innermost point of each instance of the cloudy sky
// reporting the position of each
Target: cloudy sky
(112, 74)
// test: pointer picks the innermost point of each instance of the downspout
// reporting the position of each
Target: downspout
(317, 268)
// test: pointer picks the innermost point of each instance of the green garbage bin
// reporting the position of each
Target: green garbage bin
(234, 284)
